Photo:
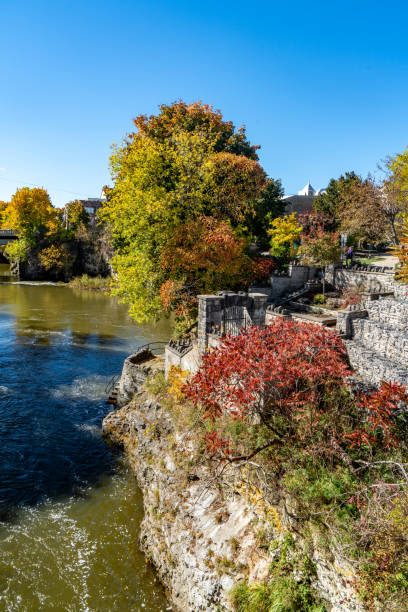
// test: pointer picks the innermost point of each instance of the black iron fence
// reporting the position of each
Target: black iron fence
(234, 320)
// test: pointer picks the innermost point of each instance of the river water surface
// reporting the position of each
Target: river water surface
(69, 508)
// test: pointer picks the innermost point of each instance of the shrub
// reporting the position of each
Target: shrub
(281, 594)
(319, 299)
(53, 258)
(93, 283)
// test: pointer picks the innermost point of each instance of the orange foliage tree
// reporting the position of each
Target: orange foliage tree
(202, 256)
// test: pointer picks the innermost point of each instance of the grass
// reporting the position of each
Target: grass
(368, 260)
(91, 283)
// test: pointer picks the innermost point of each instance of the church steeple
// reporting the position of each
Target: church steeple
(307, 190)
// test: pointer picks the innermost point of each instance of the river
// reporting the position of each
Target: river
(69, 508)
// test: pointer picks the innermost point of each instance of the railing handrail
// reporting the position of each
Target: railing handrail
(153, 346)
(111, 384)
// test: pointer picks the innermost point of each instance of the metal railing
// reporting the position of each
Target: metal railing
(112, 383)
(157, 348)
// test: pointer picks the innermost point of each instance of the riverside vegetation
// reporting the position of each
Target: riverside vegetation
(319, 459)
(92, 283)
(53, 244)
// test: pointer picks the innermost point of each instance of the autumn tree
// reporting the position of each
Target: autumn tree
(3, 206)
(53, 258)
(401, 250)
(195, 117)
(394, 191)
(202, 256)
(320, 248)
(285, 234)
(75, 215)
(32, 215)
(356, 207)
(362, 215)
(29, 211)
(182, 164)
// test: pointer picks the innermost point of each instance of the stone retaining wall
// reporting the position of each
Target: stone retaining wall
(133, 376)
(370, 281)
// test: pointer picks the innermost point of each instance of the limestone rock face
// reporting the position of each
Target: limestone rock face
(201, 539)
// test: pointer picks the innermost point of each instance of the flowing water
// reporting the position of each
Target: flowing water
(69, 508)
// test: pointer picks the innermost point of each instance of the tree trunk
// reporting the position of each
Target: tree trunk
(394, 232)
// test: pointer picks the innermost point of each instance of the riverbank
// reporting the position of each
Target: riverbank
(218, 547)
(91, 283)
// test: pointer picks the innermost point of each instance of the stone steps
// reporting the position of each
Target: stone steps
(372, 367)
(113, 397)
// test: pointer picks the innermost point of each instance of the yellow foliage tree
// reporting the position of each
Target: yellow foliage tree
(285, 232)
(52, 258)
(28, 210)
(3, 206)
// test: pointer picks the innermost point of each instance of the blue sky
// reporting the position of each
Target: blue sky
(321, 86)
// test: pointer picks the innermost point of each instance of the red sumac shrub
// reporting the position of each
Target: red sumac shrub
(277, 369)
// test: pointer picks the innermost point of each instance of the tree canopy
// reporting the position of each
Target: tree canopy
(179, 167)
(29, 210)
(356, 206)
(285, 233)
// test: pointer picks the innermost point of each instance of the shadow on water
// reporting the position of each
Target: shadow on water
(52, 401)
(58, 350)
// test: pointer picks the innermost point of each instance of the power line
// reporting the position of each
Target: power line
(26, 183)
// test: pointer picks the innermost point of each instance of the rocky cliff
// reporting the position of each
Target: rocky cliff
(204, 538)
(89, 253)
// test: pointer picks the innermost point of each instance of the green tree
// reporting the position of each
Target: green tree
(320, 249)
(184, 163)
(269, 206)
(336, 197)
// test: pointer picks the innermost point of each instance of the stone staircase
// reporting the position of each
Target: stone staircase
(378, 347)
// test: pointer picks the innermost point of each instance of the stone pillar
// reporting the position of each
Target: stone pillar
(210, 309)
(258, 311)
(346, 316)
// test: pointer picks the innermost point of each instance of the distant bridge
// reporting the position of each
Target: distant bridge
(7, 236)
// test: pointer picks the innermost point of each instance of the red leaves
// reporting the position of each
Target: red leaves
(262, 267)
(279, 368)
(380, 407)
(291, 369)
(216, 444)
